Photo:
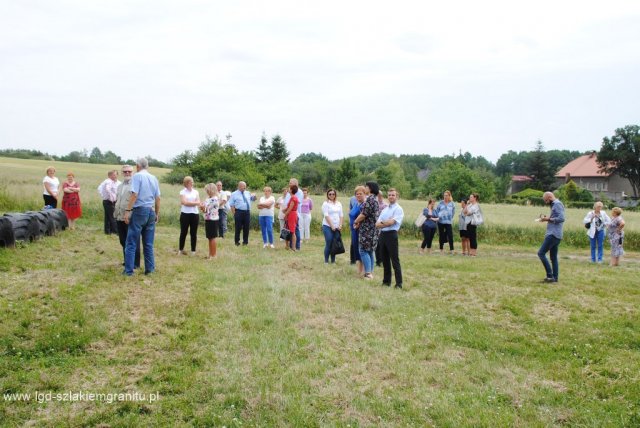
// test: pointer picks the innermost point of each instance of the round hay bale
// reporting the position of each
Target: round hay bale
(25, 227)
(7, 237)
(45, 222)
(59, 217)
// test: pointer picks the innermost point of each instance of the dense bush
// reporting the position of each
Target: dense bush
(528, 193)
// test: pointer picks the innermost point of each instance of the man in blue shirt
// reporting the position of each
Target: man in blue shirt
(240, 204)
(389, 223)
(141, 215)
(555, 222)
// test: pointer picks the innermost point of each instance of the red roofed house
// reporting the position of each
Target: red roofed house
(584, 171)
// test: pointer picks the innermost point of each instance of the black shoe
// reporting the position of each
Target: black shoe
(398, 286)
(386, 284)
(548, 280)
(237, 244)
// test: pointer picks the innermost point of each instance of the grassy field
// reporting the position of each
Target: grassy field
(271, 338)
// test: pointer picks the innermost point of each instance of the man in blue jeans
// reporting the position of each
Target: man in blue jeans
(142, 215)
(552, 238)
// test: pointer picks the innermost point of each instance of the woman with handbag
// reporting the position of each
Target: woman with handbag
(291, 218)
(429, 226)
(332, 218)
(596, 222)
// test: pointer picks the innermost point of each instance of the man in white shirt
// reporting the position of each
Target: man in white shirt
(389, 223)
(108, 191)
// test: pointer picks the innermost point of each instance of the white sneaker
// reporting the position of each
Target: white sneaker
(271, 246)
(264, 246)
(193, 253)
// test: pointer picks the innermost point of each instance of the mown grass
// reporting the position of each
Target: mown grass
(269, 338)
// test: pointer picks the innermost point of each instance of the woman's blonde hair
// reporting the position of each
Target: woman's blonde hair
(598, 204)
(267, 188)
(49, 168)
(211, 189)
(616, 211)
(360, 189)
(187, 179)
(71, 174)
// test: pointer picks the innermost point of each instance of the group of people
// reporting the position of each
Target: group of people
(295, 214)
(132, 207)
(596, 222)
(70, 194)
(440, 218)
(374, 229)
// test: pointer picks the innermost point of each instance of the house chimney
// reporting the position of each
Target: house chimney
(567, 177)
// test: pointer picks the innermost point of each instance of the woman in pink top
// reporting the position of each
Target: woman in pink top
(306, 205)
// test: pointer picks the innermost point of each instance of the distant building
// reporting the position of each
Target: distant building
(518, 183)
(584, 171)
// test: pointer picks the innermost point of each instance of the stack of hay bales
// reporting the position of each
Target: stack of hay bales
(31, 225)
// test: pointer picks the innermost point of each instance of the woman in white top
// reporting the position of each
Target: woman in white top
(51, 185)
(474, 219)
(596, 222)
(332, 217)
(211, 209)
(266, 206)
(189, 217)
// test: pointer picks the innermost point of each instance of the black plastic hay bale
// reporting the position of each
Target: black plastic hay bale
(7, 237)
(25, 227)
(59, 218)
(45, 222)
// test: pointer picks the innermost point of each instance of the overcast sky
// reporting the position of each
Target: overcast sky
(337, 77)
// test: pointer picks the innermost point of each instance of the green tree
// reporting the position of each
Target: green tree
(539, 168)
(278, 150)
(214, 161)
(111, 158)
(264, 150)
(460, 180)
(96, 156)
(346, 175)
(620, 155)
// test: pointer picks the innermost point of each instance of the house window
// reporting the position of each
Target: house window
(596, 186)
(604, 186)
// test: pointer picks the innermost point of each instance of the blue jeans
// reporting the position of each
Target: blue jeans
(550, 245)
(142, 222)
(367, 260)
(328, 238)
(266, 226)
(597, 240)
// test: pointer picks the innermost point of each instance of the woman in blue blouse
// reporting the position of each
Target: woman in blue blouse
(445, 211)
(353, 215)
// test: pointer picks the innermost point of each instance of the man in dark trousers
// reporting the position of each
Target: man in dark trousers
(108, 192)
(389, 223)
